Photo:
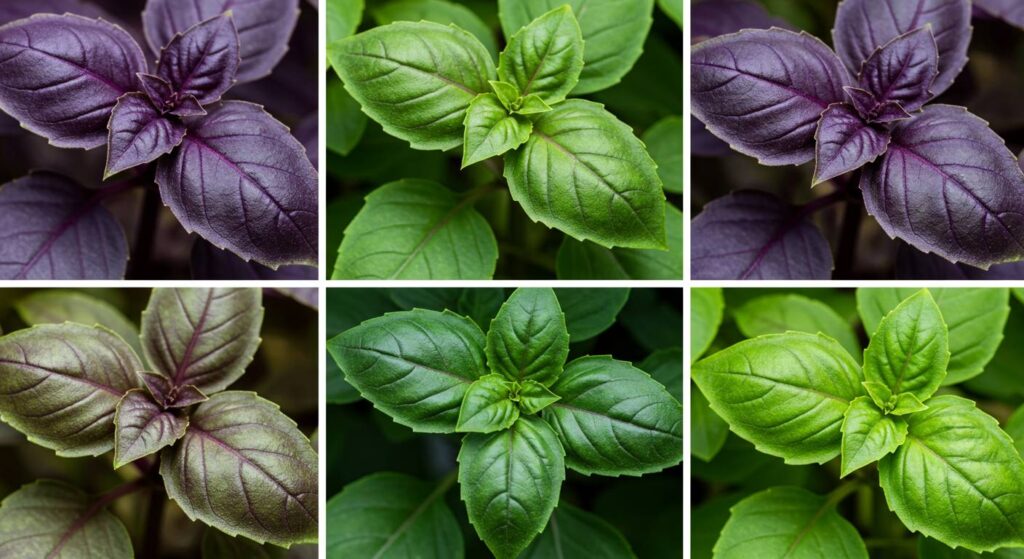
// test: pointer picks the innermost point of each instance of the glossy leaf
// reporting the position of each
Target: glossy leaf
(142, 427)
(71, 525)
(244, 468)
(139, 134)
(763, 91)
(786, 393)
(416, 365)
(586, 260)
(909, 350)
(778, 314)
(613, 33)
(534, 397)
(528, 339)
(958, 478)
(60, 385)
(788, 522)
(391, 516)
(264, 27)
(907, 404)
(749, 234)
(202, 61)
(606, 434)
(545, 57)
(664, 141)
(429, 233)
(585, 173)
(241, 181)
(437, 11)
(510, 481)
(573, 532)
(60, 76)
(708, 306)
(491, 131)
(415, 79)
(590, 311)
(54, 306)
(863, 26)
(903, 70)
(487, 406)
(869, 435)
(202, 337)
(845, 143)
(165, 99)
(708, 432)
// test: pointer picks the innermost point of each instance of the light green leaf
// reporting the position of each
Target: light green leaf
(958, 478)
(507, 93)
(392, 516)
(666, 367)
(414, 365)
(415, 79)
(909, 350)
(907, 404)
(487, 406)
(705, 318)
(534, 397)
(142, 427)
(54, 520)
(218, 545)
(345, 120)
(975, 318)
(528, 338)
(572, 532)
(777, 314)
(590, 310)
(510, 481)
(869, 435)
(532, 104)
(664, 141)
(545, 57)
(491, 130)
(788, 522)
(60, 385)
(244, 468)
(673, 9)
(786, 393)
(586, 260)
(417, 229)
(708, 432)
(343, 17)
(53, 306)
(614, 419)
(583, 172)
(437, 11)
(613, 34)
(879, 393)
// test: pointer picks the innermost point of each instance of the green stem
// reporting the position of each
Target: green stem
(841, 492)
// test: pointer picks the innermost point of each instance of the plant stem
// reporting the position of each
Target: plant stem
(145, 232)
(841, 492)
(154, 522)
(819, 204)
(849, 233)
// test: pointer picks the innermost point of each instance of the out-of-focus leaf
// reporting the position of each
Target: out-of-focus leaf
(1010, 11)
(777, 314)
(572, 532)
(664, 141)
(437, 11)
(211, 263)
(666, 367)
(705, 317)
(217, 545)
(345, 121)
(590, 311)
(51, 306)
(587, 260)
(708, 432)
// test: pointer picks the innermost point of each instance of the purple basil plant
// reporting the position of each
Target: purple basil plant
(933, 175)
(228, 170)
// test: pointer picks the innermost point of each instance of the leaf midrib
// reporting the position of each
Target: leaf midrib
(431, 233)
(431, 498)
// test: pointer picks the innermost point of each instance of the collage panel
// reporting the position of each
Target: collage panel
(509, 423)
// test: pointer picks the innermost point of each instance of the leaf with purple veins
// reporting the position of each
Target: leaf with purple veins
(202, 61)
(845, 143)
(903, 70)
(139, 134)
(142, 427)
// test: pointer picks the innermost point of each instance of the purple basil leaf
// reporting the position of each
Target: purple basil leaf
(202, 61)
(264, 27)
(158, 385)
(55, 229)
(308, 296)
(169, 396)
(863, 26)
(712, 18)
(912, 264)
(60, 76)
(307, 132)
(244, 183)
(903, 70)
(704, 143)
(212, 263)
(157, 89)
(189, 106)
(143, 427)
(139, 134)
(845, 143)
(753, 235)
(1010, 11)
(762, 91)
(11, 10)
(948, 185)
(871, 110)
(186, 396)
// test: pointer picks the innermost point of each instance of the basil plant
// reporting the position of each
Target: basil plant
(524, 416)
(894, 416)
(83, 382)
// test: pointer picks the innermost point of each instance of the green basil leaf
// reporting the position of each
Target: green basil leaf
(415, 79)
(666, 367)
(545, 57)
(786, 393)
(392, 516)
(572, 532)
(958, 478)
(141, 427)
(510, 481)
(346, 122)
(909, 350)
(60, 385)
(414, 366)
(708, 432)
(664, 141)
(879, 393)
(975, 319)
(480, 303)
(491, 131)
(583, 172)
(532, 104)
(343, 17)
(614, 419)
(586, 260)
(53, 519)
(788, 522)
(437, 11)
(869, 435)
(202, 337)
(907, 404)
(417, 229)
(590, 310)
(528, 339)
(54, 306)
(487, 406)
(534, 397)
(705, 318)
(613, 32)
(673, 9)
(507, 93)
(217, 545)
(244, 468)
(777, 314)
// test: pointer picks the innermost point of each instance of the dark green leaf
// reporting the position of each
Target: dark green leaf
(590, 311)
(534, 397)
(545, 57)
(345, 121)
(665, 143)
(528, 339)
(708, 432)
(666, 367)
(487, 406)
(586, 260)
(572, 532)
(142, 427)
(869, 435)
